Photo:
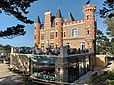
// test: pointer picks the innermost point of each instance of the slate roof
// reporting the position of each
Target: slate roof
(58, 15)
(70, 18)
(38, 20)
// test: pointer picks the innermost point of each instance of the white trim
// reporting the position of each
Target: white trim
(72, 32)
(47, 12)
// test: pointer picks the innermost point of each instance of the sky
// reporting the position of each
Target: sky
(39, 8)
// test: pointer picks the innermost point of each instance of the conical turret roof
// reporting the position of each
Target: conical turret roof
(38, 19)
(58, 15)
(70, 18)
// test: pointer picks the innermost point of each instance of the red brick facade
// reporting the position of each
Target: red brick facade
(57, 31)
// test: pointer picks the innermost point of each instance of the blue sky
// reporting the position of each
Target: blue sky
(39, 8)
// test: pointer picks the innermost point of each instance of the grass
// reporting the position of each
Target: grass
(104, 79)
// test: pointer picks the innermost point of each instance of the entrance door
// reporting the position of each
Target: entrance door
(82, 45)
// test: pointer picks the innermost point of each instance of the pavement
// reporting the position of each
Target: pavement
(7, 77)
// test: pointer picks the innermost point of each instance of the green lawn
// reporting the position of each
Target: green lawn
(105, 79)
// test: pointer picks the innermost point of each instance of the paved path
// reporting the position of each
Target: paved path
(7, 77)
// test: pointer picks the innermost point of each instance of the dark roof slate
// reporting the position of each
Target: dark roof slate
(70, 18)
(58, 15)
(38, 20)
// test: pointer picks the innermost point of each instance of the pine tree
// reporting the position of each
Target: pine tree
(108, 13)
(17, 8)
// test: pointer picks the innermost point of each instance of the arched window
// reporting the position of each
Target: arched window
(75, 32)
(82, 45)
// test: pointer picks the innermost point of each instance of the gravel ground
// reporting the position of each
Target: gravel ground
(9, 78)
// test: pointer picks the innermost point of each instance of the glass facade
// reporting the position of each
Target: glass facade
(44, 67)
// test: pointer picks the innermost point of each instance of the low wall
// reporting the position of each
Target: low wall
(20, 61)
(101, 60)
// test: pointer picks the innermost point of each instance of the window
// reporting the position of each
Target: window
(56, 34)
(56, 23)
(64, 34)
(61, 34)
(52, 35)
(52, 45)
(74, 32)
(88, 30)
(82, 45)
(34, 36)
(42, 36)
(42, 45)
(87, 17)
(55, 45)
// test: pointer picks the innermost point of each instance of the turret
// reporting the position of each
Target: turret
(89, 19)
(37, 25)
(58, 38)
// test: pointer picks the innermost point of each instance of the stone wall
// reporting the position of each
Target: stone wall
(20, 61)
(101, 60)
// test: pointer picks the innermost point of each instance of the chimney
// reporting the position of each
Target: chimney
(47, 22)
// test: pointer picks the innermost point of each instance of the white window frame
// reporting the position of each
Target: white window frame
(74, 32)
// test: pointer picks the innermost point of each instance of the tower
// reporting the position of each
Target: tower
(58, 36)
(89, 19)
(37, 25)
(90, 25)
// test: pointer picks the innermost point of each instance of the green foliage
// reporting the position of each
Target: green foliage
(17, 8)
(112, 42)
(111, 75)
(7, 47)
(108, 13)
(102, 43)
(110, 26)
(108, 6)
(111, 83)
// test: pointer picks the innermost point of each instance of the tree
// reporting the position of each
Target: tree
(107, 9)
(110, 26)
(108, 12)
(17, 8)
(99, 35)
(103, 44)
